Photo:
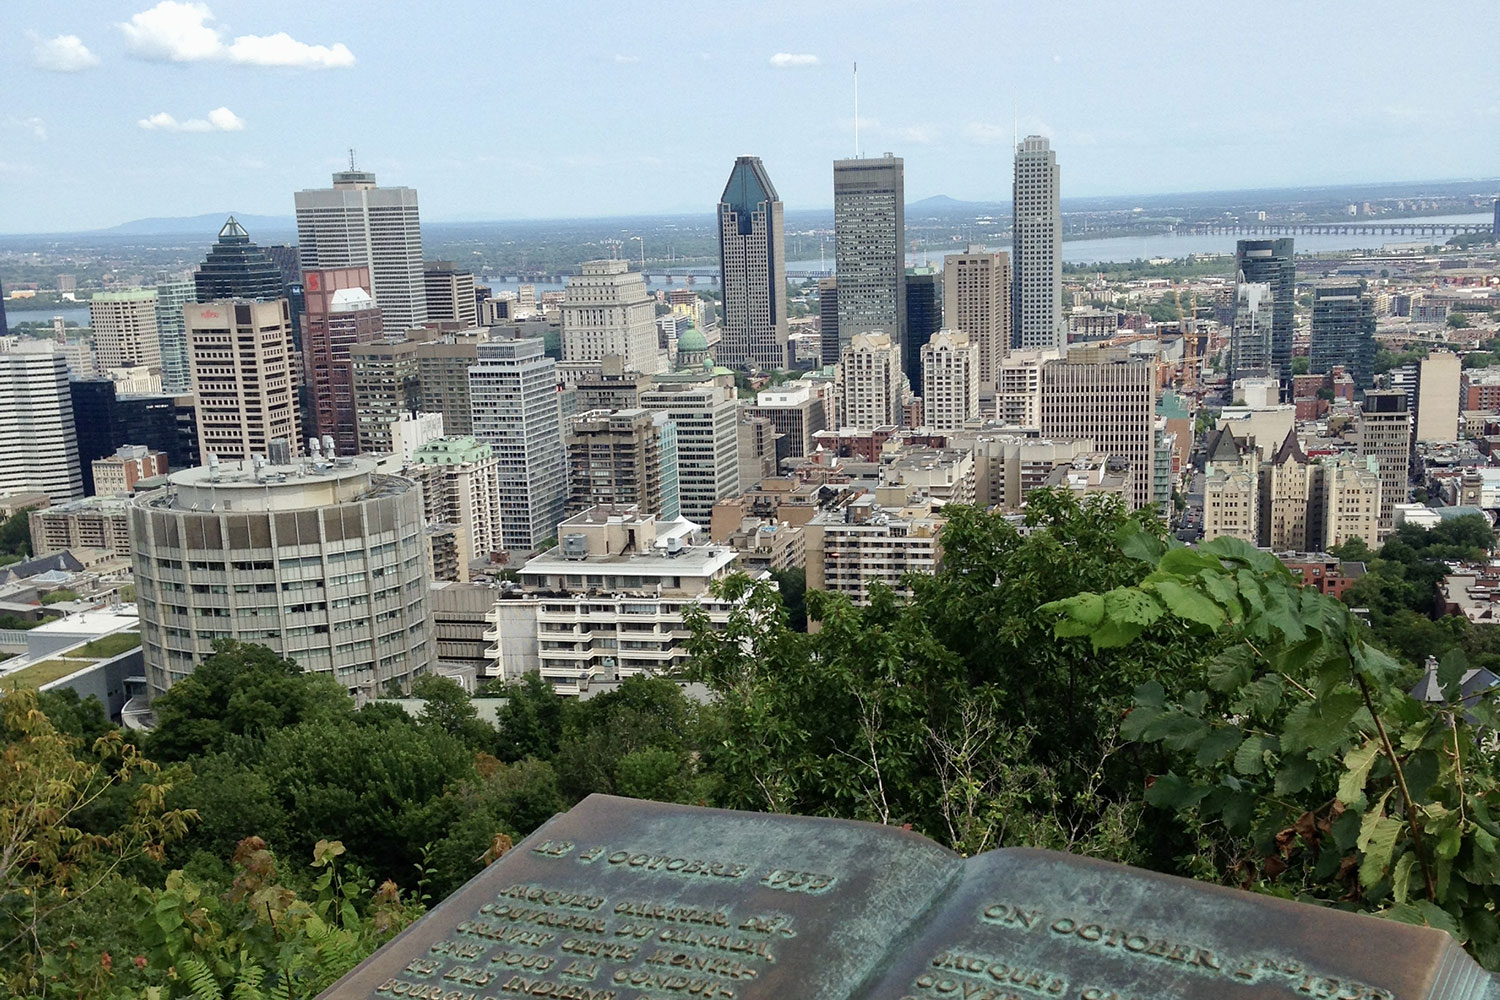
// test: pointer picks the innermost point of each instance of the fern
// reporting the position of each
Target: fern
(200, 979)
(247, 985)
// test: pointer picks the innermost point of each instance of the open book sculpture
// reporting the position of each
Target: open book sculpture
(619, 899)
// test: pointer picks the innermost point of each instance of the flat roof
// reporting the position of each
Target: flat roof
(693, 560)
(241, 473)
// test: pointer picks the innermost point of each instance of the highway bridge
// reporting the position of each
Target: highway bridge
(1416, 228)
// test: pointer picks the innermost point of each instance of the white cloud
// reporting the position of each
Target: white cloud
(218, 120)
(174, 31)
(626, 59)
(34, 125)
(793, 60)
(282, 49)
(63, 54)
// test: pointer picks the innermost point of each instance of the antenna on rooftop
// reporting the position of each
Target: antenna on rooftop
(856, 111)
(351, 158)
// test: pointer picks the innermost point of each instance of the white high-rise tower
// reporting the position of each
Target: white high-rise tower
(607, 310)
(513, 393)
(356, 224)
(1036, 248)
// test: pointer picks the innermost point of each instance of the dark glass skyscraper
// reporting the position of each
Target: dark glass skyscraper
(828, 320)
(924, 317)
(1343, 331)
(237, 269)
(105, 421)
(752, 263)
(4, 328)
(286, 259)
(1272, 262)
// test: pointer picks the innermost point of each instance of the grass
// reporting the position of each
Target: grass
(41, 673)
(110, 645)
(47, 671)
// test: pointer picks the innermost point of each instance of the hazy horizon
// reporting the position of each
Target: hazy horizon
(130, 109)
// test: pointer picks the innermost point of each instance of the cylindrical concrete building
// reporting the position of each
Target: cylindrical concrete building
(322, 561)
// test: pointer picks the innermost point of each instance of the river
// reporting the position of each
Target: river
(1116, 248)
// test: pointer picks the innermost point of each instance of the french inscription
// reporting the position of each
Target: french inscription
(528, 986)
(423, 991)
(678, 865)
(795, 881)
(592, 944)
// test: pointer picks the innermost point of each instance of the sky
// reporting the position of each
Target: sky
(112, 110)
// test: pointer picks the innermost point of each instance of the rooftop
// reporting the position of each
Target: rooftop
(246, 474)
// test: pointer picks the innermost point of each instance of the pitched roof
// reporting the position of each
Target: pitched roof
(1291, 448)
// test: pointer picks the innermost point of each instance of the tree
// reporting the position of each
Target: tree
(645, 718)
(1301, 366)
(378, 789)
(1299, 764)
(50, 858)
(1458, 321)
(791, 584)
(531, 720)
(954, 711)
(15, 534)
(447, 706)
(241, 690)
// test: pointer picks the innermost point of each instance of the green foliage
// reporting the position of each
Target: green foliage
(1301, 766)
(791, 584)
(56, 844)
(59, 595)
(954, 711)
(15, 534)
(1385, 359)
(241, 690)
(447, 706)
(1301, 366)
(1399, 590)
(1458, 321)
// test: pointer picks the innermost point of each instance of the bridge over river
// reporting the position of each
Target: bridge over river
(1417, 228)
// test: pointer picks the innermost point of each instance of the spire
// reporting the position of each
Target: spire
(232, 230)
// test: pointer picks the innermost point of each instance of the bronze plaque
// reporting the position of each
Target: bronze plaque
(621, 899)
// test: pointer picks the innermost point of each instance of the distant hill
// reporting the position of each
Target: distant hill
(941, 204)
(204, 225)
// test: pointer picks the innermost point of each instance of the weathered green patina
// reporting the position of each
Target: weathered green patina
(626, 900)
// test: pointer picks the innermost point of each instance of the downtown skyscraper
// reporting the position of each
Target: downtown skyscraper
(357, 224)
(513, 386)
(1036, 248)
(869, 225)
(1271, 262)
(752, 261)
(236, 268)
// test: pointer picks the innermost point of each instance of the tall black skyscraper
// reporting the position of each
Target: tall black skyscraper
(1272, 262)
(828, 320)
(237, 269)
(105, 421)
(1343, 331)
(924, 317)
(4, 328)
(752, 262)
(287, 260)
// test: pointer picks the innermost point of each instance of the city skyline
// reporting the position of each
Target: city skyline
(228, 105)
